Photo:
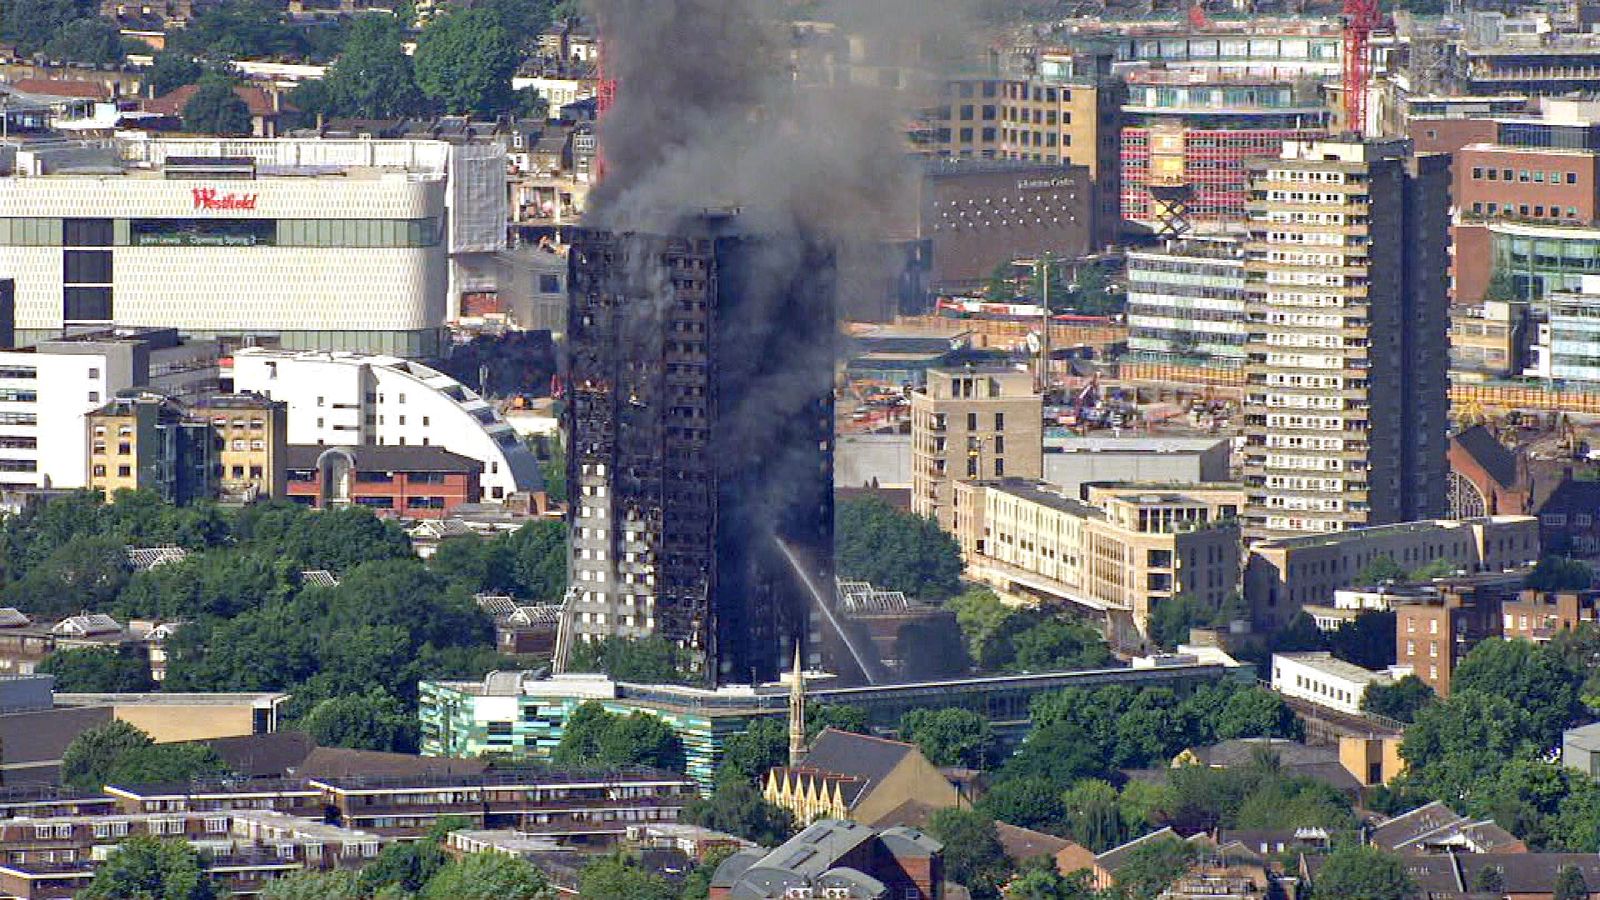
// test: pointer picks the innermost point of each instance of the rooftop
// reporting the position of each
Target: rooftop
(1325, 662)
(384, 458)
(1058, 441)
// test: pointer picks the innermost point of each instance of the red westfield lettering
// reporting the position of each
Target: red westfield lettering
(208, 198)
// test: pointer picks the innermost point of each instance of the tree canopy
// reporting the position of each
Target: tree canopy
(596, 738)
(1558, 573)
(465, 60)
(949, 737)
(895, 550)
(973, 856)
(90, 756)
(99, 670)
(148, 868)
(215, 108)
(1363, 873)
(373, 76)
(1400, 701)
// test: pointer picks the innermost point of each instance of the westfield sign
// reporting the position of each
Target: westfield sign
(208, 198)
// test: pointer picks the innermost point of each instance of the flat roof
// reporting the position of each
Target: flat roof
(1067, 444)
(1328, 664)
(163, 698)
(1035, 493)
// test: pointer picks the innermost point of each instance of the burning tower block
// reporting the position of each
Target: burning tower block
(701, 442)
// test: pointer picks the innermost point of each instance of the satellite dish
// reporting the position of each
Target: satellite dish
(1034, 342)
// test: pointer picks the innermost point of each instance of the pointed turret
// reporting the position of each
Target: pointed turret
(797, 711)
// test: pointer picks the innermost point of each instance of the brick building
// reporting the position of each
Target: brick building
(402, 482)
(1433, 635)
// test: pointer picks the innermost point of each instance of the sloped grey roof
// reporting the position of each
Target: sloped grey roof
(870, 759)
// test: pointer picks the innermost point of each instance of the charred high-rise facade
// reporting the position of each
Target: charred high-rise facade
(700, 460)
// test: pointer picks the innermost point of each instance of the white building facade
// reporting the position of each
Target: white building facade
(1319, 678)
(352, 399)
(303, 244)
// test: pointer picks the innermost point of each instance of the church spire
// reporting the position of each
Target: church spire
(797, 711)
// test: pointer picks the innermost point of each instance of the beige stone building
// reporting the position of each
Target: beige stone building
(859, 777)
(1117, 556)
(143, 441)
(1284, 575)
(972, 424)
(251, 435)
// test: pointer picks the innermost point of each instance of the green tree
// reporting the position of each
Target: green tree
(1094, 818)
(93, 41)
(1055, 643)
(1027, 802)
(1502, 287)
(980, 615)
(1299, 634)
(949, 737)
(972, 853)
(465, 60)
(1570, 884)
(1457, 747)
(84, 572)
(930, 648)
(1001, 285)
(99, 670)
(487, 876)
(1534, 678)
(651, 660)
(166, 764)
(373, 78)
(1489, 880)
(594, 737)
(1256, 712)
(554, 471)
(148, 868)
(31, 24)
(697, 884)
(1400, 701)
(1171, 620)
(477, 564)
(735, 806)
(895, 550)
(244, 29)
(749, 754)
(92, 754)
(1041, 883)
(1439, 568)
(340, 884)
(404, 866)
(171, 70)
(371, 721)
(614, 877)
(1152, 867)
(1558, 573)
(539, 560)
(216, 109)
(1367, 640)
(1355, 872)
(1380, 570)
(838, 716)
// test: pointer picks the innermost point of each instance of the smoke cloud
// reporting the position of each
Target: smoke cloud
(724, 103)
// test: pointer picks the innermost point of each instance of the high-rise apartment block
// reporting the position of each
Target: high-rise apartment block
(972, 424)
(1346, 403)
(701, 442)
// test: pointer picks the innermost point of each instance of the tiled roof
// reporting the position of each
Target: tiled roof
(851, 755)
(87, 624)
(385, 458)
(1495, 458)
(58, 87)
(171, 104)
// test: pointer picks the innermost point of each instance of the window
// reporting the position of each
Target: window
(999, 421)
(124, 471)
(99, 471)
(94, 396)
(1572, 178)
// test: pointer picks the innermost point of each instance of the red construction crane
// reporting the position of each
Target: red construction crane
(605, 95)
(1197, 16)
(1361, 18)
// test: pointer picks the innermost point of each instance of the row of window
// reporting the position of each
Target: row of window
(179, 232)
(1523, 176)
